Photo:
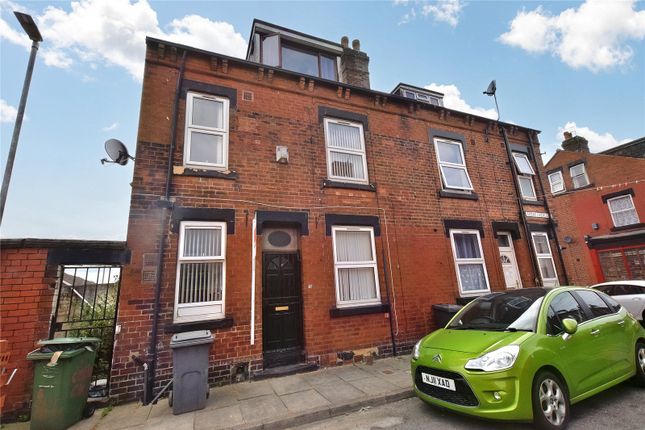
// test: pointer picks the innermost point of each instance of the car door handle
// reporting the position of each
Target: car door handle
(595, 332)
(621, 323)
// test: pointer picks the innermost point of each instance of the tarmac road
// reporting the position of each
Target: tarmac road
(619, 408)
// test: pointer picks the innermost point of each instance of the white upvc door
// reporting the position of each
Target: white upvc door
(508, 260)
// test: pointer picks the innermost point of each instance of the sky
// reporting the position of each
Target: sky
(575, 66)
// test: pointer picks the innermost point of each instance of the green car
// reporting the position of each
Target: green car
(528, 354)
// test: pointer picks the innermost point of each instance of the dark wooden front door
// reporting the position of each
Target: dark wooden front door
(281, 310)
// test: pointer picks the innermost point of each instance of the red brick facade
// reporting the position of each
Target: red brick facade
(273, 107)
(25, 308)
(584, 216)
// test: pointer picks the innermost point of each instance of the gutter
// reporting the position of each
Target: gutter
(164, 204)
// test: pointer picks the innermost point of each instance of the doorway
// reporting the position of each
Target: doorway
(509, 262)
(281, 309)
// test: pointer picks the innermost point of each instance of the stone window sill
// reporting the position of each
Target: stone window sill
(457, 195)
(360, 310)
(628, 227)
(329, 183)
(189, 171)
(226, 322)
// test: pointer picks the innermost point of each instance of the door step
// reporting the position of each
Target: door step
(290, 369)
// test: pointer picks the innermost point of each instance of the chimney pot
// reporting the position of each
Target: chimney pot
(575, 143)
(356, 45)
(344, 42)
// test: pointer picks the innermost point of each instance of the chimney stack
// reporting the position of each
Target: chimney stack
(574, 143)
(354, 64)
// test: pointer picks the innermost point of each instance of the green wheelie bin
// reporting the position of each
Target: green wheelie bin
(62, 376)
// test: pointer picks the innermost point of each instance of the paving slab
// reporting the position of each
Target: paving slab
(222, 397)
(220, 418)
(373, 386)
(304, 400)
(171, 422)
(289, 384)
(262, 408)
(248, 390)
(323, 376)
(350, 373)
(340, 392)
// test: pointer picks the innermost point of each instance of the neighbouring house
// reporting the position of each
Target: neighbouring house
(52, 288)
(307, 219)
(598, 202)
(635, 148)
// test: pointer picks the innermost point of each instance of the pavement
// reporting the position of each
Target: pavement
(618, 408)
(274, 403)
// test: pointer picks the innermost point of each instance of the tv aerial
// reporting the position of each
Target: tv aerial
(117, 152)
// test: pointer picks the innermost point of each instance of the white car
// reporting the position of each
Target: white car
(630, 294)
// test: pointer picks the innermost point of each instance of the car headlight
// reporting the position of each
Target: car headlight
(416, 351)
(500, 359)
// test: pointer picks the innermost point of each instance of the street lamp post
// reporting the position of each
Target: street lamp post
(31, 29)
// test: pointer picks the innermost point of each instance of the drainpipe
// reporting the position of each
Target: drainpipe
(164, 204)
(518, 193)
(546, 205)
(387, 293)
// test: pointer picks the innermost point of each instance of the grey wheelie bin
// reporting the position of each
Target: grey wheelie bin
(62, 374)
(443, 313)
(190, 370)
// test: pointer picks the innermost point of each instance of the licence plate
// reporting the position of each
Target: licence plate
(438, 381)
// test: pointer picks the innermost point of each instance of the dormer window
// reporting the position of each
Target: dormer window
(420, 94)
(277, 51)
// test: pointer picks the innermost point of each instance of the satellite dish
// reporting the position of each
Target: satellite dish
(492, 87)
(117, 152)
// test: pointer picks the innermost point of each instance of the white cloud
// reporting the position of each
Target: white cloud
(597, 141)
(447, 11)
(110, 127)
(112, 32)
(7, 112)
(444, 11)
(452, 100)
(593, 36)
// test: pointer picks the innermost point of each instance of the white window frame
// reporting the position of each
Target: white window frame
(530, 179)
(190, 127)
(202, 311)
(521, 155)
(459, 261)
(558, 173)
(547, 282)
(612, 212)
(361, 152)
(355, 264)
(584, 173)
(452, 165)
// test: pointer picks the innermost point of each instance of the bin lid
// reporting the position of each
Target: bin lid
(447, 307)
(68, 341)
(190, 338)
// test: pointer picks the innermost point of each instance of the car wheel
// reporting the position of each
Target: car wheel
(640, 364)
(550, 402)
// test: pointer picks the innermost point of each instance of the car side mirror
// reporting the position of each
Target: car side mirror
(570, 326)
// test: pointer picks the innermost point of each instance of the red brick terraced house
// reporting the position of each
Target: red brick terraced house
(598, 201)
(305, 218)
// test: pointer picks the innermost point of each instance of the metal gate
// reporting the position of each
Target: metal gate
(86, 306)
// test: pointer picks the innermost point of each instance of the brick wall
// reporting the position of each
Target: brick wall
(576, 211)
(25, 308)
(414, 255)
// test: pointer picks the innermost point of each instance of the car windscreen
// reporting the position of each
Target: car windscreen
(511, 311)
